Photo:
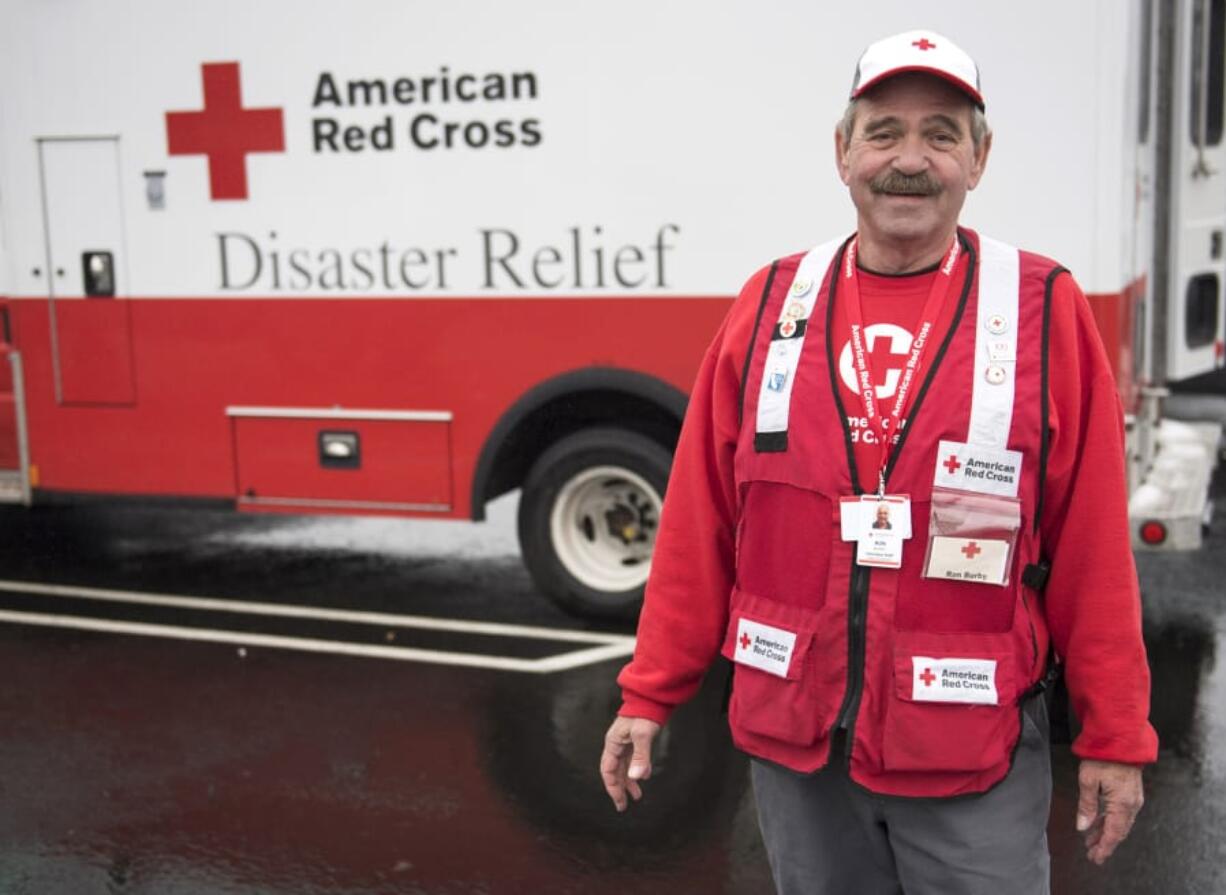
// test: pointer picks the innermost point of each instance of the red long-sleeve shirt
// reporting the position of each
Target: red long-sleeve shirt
(1091, 601)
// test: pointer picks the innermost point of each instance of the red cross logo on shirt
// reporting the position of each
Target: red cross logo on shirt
(225, 131)
(884, 359)
(952, 464)
(928, 677)
(923, 43)
(887, 347)
(745, 641)
(887, 361)
(972, 550)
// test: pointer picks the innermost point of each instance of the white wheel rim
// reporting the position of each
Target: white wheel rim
(603, 527)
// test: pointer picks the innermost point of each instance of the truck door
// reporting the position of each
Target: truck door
(91, 340)
(1193, 338)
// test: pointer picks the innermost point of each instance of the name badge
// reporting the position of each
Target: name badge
(879, 525)
(954, 680)
(764, 647)
(978, 560)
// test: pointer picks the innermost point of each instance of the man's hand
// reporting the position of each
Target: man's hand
(1117, 789)
(627, 758)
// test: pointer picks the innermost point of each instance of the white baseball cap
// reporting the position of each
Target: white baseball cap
(921, 51)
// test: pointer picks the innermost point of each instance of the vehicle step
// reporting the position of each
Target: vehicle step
(10, 486)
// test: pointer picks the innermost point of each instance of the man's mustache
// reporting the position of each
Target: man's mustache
(922, 184)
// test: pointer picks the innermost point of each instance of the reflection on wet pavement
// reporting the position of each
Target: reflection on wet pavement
(147, 769)
(134, 765)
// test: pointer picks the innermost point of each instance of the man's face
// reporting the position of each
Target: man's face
(911, 160)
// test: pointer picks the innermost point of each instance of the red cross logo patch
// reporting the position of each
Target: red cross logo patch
(966, 680)
(224, 131)
(924, 44)
(764, 647)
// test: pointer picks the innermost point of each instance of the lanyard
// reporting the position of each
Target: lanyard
(882, 424)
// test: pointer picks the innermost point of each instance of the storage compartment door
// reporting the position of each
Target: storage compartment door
(335, 460)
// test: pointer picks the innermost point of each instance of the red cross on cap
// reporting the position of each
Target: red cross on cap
(928, 677)
(745, 641)
(224, 131)
(912, 51)
(952, 464)
(972, 550)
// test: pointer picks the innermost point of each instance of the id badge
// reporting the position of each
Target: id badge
(879, 525)
(971, 537)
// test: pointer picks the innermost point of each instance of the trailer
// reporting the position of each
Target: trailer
(403, 258)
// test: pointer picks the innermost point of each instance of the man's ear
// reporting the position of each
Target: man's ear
(980, 161)
(840, 156)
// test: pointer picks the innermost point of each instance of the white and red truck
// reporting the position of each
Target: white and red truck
(402, 258)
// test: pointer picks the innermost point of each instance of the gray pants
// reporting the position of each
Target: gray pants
(826, 836)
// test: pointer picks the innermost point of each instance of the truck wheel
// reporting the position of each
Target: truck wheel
(588, 517)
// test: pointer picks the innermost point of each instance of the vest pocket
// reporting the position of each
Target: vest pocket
(778, 690)
(953, 705)
(931, 604)
(784, 538)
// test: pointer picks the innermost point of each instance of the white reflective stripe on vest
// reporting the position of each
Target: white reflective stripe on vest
(995, 352)
(774, 404)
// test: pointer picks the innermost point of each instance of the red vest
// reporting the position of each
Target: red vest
(863, 635)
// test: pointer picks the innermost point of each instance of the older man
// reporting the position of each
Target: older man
(888, 682)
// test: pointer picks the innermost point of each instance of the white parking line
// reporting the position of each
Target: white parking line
(605, 646)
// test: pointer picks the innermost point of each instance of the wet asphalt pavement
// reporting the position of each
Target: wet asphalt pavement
(142, 764)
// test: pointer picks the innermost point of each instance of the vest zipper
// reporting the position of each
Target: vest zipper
(856, 634)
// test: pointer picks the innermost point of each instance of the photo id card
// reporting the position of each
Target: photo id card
(868, 512)
(879, 524)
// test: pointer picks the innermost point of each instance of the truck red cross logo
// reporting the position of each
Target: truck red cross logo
(225, 131)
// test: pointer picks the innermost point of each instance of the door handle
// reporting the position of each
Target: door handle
(1202, 168)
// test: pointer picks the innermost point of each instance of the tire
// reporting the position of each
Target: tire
(588, 517)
